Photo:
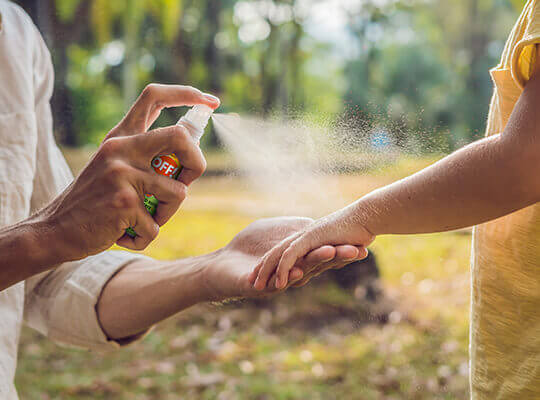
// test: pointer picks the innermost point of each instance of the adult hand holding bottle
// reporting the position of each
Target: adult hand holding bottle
(107, 197)
(168, 165)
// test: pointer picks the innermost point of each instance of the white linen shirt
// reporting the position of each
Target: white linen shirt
(59, 303)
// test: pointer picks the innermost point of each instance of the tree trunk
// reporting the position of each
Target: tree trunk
(129, 66)
(61, 102)
(477, 43)
(58, 37)
(211, 53)
(268, 72)
(182, 54)
(212, 57)
(296, 97)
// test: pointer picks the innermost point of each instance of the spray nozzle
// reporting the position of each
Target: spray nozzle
(197, 117)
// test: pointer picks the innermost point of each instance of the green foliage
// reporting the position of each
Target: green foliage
(518, 4)
(66, 8)
(168, 13)
(428, 71)
(105, 14)
(97, 100)
(416, 69)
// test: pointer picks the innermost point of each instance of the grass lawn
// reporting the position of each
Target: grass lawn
(311, 343)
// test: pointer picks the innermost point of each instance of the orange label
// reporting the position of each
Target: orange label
(167, 165)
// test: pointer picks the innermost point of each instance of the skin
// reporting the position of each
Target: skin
(107, 197)
(478, 183)
(144, 293)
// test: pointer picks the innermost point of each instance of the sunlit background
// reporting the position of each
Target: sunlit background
(407, 78)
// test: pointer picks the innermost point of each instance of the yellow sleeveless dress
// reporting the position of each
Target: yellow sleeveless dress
(505, 308)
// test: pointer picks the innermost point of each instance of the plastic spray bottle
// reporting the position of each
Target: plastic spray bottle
(194, 121)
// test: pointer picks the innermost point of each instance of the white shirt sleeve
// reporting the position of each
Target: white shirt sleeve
(18, 132)
(59, 303)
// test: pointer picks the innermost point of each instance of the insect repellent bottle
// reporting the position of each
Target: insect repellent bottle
(194, 121)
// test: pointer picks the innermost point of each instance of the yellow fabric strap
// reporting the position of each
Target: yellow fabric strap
(523, 58)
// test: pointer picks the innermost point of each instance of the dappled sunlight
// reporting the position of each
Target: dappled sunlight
(310, 105)
(318, 338)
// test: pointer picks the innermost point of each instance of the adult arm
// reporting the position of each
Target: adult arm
(60, 302)
(107, 197)
(480, 182)
(148, 291)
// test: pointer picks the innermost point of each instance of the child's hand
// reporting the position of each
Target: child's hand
(339, 228)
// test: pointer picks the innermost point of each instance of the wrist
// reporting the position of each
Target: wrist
(50, 234)
(66, 238)
(26, 252)
(196, 276)
(362, 215)
(210, 279)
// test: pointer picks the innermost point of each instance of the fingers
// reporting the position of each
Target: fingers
(362, 252)
(264, 270)
(306, 265)
(314, 258)
(342, 259)
(169, 192)
(346, 253)
(156, 97)
(295, 275)
(172, 139)
(253, 274)
(317, 256)
(252, 277)
(337, 255)
(298, 248)
(313, 264)
(266, 267)
(147, 230)
(192, 171)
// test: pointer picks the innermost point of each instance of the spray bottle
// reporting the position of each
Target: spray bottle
(194, 121)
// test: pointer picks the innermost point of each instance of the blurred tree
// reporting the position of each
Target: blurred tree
(128, 16)
(416, 65)
(65, 22)
(61, 23)
(272, 32)
(422, 67)
(211, 52)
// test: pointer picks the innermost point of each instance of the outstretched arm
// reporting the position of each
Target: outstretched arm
(480, 182)
(146, 292)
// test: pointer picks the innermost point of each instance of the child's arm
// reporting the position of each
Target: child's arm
(480, 182)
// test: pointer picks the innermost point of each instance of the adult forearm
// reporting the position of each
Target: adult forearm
(483, 181)
(27, 248)
(146, 292)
